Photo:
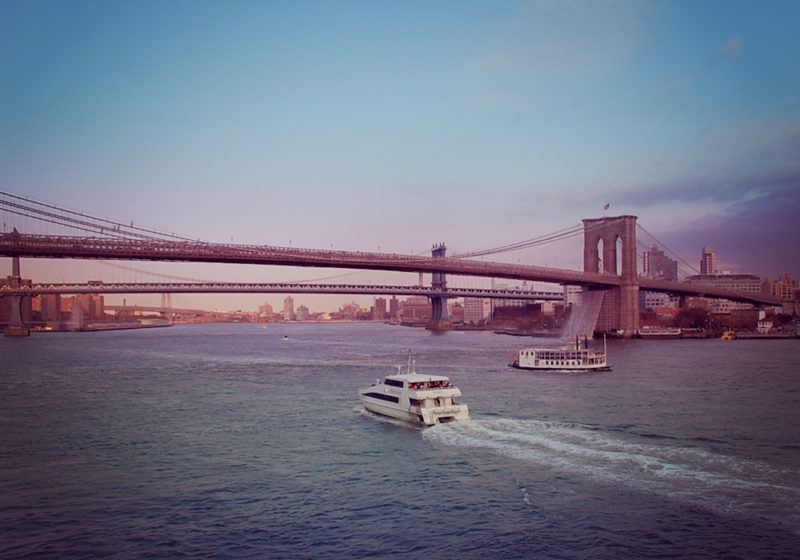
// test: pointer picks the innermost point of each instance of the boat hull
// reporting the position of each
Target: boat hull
(427, 416)
(564, 368)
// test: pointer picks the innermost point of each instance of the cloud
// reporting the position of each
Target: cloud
(750, 220)
(739, 192)
(753, 236)
(733, 47)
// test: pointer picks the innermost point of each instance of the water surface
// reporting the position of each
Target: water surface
(232, 441)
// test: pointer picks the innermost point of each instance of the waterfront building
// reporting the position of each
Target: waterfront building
(455, 311)
(379, 309)
(351, 312)
(473, 310)
(764, 326)
(501, 306)
(743, 283)
(654, 300)
(415, 309)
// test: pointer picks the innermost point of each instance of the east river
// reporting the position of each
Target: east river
(239, 441)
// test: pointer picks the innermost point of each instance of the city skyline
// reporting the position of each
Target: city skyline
(390, 127)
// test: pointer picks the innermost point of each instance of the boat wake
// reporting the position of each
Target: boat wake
(689, 475)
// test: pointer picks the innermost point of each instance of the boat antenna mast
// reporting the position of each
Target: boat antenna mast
(411, 365)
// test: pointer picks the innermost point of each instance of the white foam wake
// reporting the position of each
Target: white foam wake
(688, 474)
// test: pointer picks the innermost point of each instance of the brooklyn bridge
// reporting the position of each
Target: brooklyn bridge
(609, 264)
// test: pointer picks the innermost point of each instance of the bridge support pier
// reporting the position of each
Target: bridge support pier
(619, 314)
(16, 327)
(439, 318)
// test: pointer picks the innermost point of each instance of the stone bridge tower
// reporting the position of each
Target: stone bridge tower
(620, 309)
(439, 319)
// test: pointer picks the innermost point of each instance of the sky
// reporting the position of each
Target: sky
(395, 125)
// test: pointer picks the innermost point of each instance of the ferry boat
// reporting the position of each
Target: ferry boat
(659, 332)
(415, 397)
(569, 358)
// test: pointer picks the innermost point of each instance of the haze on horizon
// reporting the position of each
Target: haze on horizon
(393, 126)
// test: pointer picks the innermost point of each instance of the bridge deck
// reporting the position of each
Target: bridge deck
(58, 247)
(280, 288)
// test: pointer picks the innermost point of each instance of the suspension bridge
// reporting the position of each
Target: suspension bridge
(610, 249)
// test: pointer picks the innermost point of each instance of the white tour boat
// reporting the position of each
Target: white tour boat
(415, 397)
(570, 358)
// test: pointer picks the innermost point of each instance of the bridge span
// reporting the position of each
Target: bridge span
(59, 247)
(274, 288)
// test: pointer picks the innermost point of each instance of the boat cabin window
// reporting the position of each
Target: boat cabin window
(422, 385)
(394, 383)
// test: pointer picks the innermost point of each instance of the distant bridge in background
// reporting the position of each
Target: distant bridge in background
(609, 263)
(99, 288)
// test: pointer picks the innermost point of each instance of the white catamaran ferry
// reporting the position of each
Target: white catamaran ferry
(570, 358)
(415, 397)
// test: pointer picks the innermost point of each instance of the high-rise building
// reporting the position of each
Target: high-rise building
(51, 307)
(93, 305)
(708, 261)
(303, 313)
(379, 309)
(288, 309)
(265, 309)
(657, 265)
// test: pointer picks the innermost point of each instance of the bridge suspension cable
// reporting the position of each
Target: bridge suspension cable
(541, 240)
(50, 213)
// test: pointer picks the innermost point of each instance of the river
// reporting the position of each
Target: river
(248, 441)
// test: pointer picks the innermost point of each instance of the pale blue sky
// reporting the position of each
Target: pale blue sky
(402, 124)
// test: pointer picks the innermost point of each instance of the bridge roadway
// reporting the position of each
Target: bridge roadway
(277, 288)
(63, 247)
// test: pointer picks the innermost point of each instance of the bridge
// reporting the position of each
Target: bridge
(609, 263)
(99, 288)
